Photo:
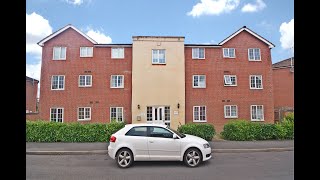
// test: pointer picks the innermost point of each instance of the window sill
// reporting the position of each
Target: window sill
(159, 64)
(230, 85)
(256, 88)
(116, 87)
(84, 119)
(257, 120)
(199, 87)
(200, 121)
(198, 58)
(57, 89)
(84, 86)
(118, 58)
(86, 56)
(229, 57)
(255, 60)
(231, 117)
(59, 59)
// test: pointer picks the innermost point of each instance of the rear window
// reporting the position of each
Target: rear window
(137, 131)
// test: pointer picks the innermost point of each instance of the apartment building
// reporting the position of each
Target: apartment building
(156, 79)
(283, 83)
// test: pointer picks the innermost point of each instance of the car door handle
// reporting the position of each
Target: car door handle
(150, 141)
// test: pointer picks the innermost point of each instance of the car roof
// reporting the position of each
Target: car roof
(145, 124)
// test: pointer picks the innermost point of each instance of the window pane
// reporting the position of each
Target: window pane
(56, 53)
(196, 113)
(233, 80)
(82, 51)
(227, 111)
(233, 111)
(160, 132)
(227, 80)
(254, 111)
(225, 52)
(119, 114)
(149, 113)
(202, 113)
(167, 113)
(61, 80)
(89, 80)
(195, 53)
(251, 54)
(231, 52)
(195, 81)
(253, 84)
(137, 131)
(257, 54)
(121, 52)
(155, 56)
(202, 81)
(201, 52)
(63, 53)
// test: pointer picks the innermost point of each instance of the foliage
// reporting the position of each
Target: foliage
(205, 131)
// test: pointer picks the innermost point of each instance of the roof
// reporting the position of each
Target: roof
(31, 79)
(113, 45)
(41, 43)
(157, 36)
(244, 28)
(283, 64)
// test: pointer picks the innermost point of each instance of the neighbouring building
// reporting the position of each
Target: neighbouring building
(156, 79)
(283, 85)
(31, 94)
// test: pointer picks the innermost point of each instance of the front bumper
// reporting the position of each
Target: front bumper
(206, 154)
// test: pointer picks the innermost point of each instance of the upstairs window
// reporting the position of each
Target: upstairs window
(229, 53)
(117, 81)
(199, 81)
(254, 54)
(230, 80)
(85, 80)
(256, 82)
(158, 56)
(117, 53)
(59, 53)
(198, 53)
(57, 82)
(86, 51)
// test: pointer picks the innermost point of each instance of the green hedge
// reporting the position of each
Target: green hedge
(205, 131)
(44, 131)
(244, 130)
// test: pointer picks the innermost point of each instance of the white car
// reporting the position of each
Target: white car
(155, 142)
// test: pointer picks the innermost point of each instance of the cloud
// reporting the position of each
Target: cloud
(37, 28)
(33, 70)
(75, 2)
(213, 7)
(99, 36)
(287, 34)
(258, 6)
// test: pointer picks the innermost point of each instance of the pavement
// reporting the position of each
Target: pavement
(219, 146)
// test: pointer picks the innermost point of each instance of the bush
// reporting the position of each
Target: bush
(44, 131)
(289, 117)
(243, 130)
(205, 131)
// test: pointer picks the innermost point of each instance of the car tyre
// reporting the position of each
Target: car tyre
(124, 158)
(192, 157)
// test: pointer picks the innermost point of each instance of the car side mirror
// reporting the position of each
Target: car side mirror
(175, 136)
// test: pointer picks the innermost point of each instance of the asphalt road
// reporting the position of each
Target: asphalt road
(246, 166)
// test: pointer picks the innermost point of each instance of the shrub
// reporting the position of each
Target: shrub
(44, 131)
(289, 117)
(243, 130)
(205, 131)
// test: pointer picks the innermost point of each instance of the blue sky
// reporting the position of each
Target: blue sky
(200, 21)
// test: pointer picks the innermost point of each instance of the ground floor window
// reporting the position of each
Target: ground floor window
(116, 113)
(230, 111)
(199, 114)
(84, 113)
(56, 114)
(257, 113)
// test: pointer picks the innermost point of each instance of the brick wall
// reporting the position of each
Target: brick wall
(215, 67)
(100, 97)
(31, 95)
(283, 83)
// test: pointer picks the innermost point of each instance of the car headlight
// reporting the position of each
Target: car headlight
(207, 145)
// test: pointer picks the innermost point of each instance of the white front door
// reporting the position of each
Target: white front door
(158, 115)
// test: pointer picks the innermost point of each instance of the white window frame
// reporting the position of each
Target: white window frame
(254, 58)
(87, 52)
(205, 81)
(57, 114)
(84, 115)
(256, 112)
(228, 55)
(195, 55)
(111, 84)
(225, 79)
(64, 82)
(118, 56)
(158, 53)
(117, 116)
(60, 58)
(255, 81)
(230, 116)
(85, 81)
(205, 114)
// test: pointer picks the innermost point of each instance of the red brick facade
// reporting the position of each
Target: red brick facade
(216, 95)
(31, 94)
(100, 97)
(283, 83)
